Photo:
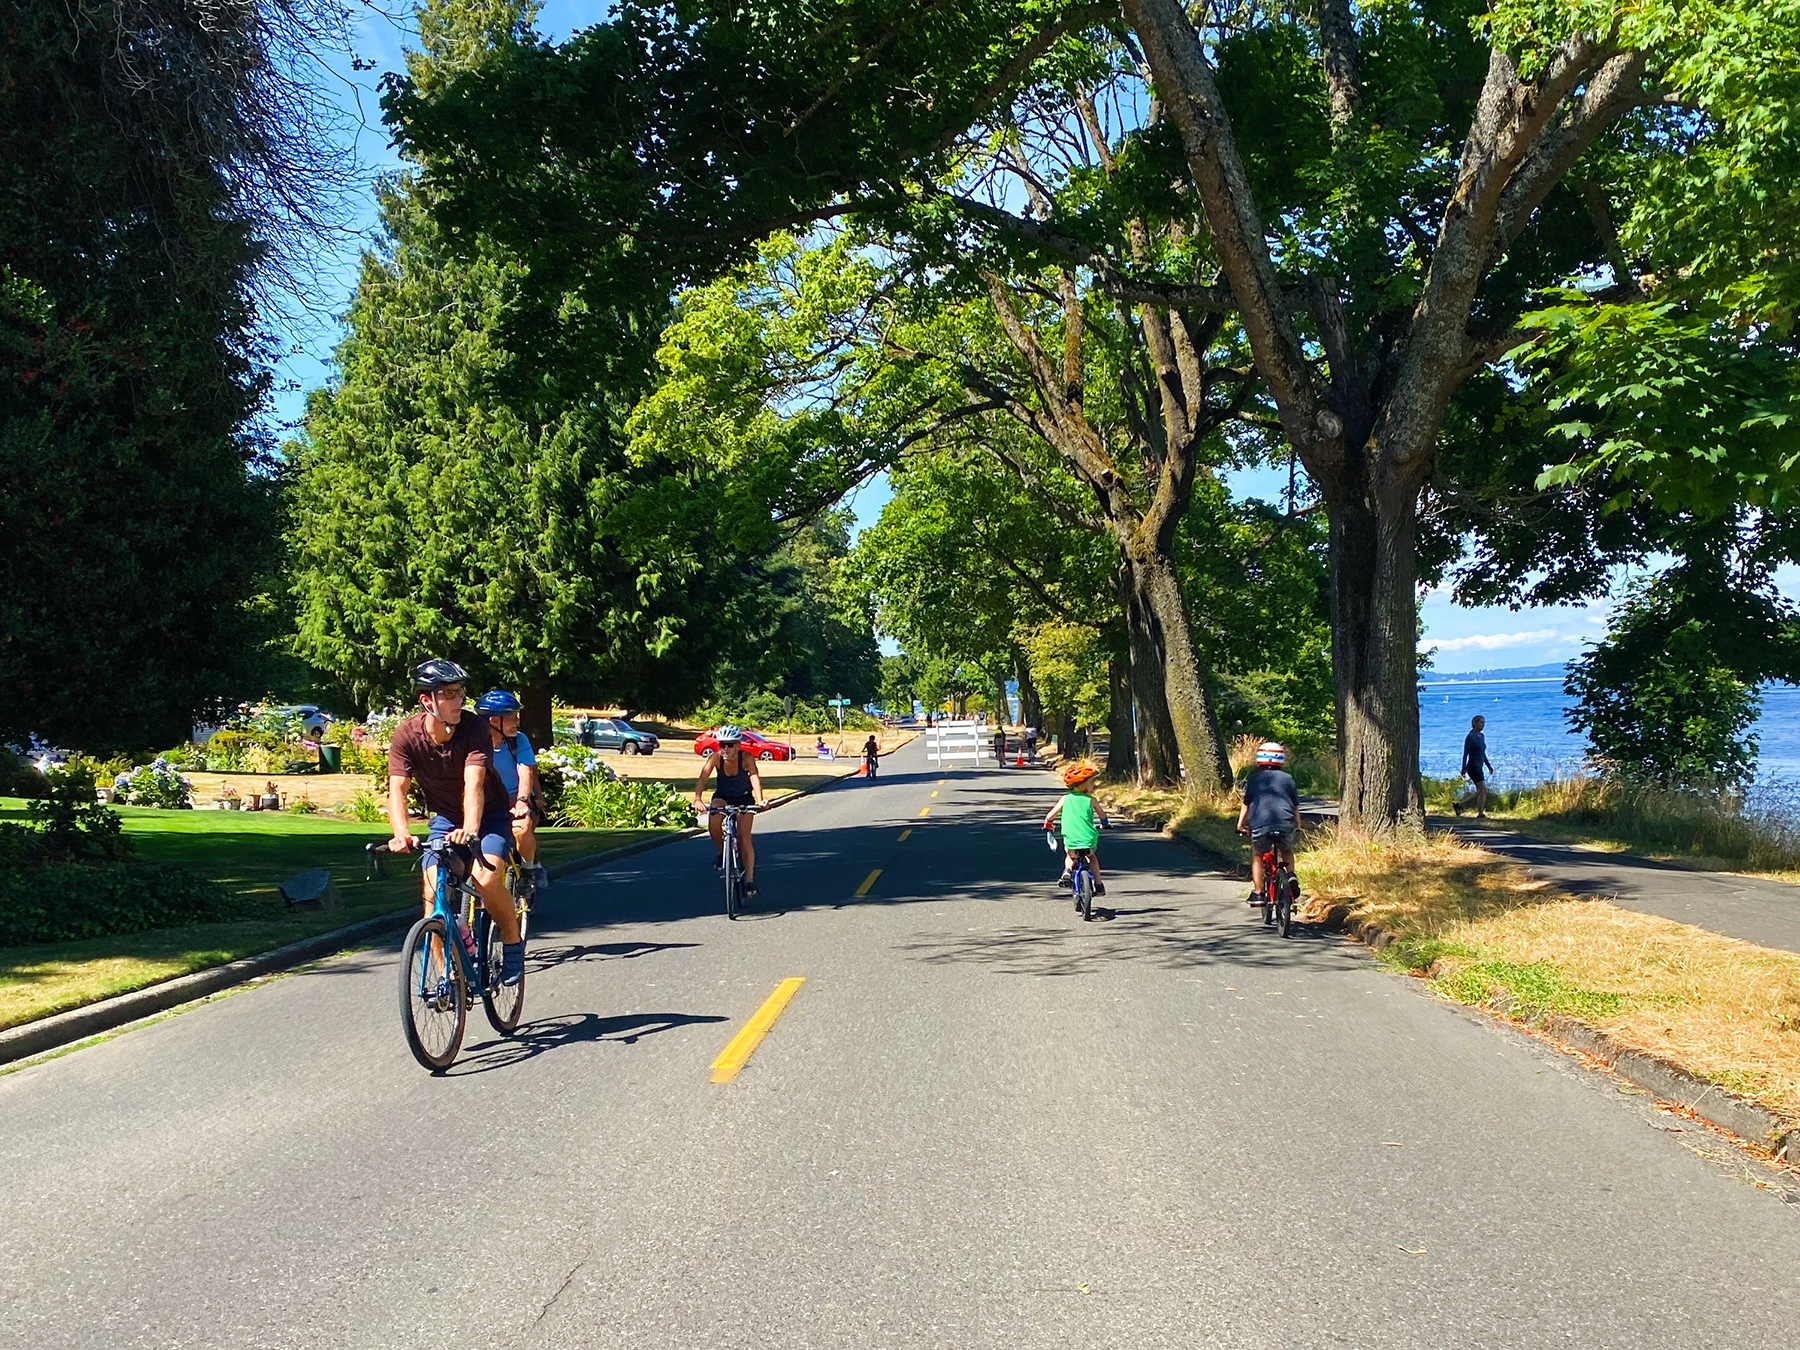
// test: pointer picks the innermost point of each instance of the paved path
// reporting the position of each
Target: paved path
(979, 1124)
(1764, 912)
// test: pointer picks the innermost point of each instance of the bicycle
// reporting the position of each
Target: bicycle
(435, 993)
(1278, 887)
(1081, 876)
(732, 862)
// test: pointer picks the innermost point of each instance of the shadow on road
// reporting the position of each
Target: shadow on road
(543, 958)
(552, 1033)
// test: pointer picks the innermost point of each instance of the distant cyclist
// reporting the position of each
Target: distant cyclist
(1271, 810)
(740, 784)
(448, 754)
(871, 755)
(1079, 817)
(515, 765)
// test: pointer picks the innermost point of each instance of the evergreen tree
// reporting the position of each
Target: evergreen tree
(136, 521)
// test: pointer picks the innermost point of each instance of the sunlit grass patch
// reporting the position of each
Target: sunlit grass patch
(1477, 925)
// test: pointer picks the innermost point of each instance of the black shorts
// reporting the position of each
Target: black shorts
(1263, 840)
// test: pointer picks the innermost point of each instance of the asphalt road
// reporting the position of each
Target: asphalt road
(979, 1123)
(1748, 908)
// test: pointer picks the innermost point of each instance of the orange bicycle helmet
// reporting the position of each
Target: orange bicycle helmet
(1078, 772)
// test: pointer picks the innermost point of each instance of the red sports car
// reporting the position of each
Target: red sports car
(760, 746)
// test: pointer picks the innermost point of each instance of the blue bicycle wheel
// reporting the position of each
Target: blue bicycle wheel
(434, 1009)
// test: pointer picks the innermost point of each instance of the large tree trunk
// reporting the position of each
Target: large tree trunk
(1121, 744)
(1190, 709)
(1374, 642)
(1002, 709)
(1031, 712)
(1158, 763)
(535, 714)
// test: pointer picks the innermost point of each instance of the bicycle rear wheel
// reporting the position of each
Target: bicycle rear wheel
(505, 1003)
(1284, 905)
(433, 1006)
(1268, 903)
(1084, 894)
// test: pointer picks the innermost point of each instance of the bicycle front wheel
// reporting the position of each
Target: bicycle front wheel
(433, 1007)
(734, 881)
(505, 1003)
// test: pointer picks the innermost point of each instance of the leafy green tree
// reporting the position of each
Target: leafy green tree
(1670, 693)
(1376, 198)
(457, 493)
(136, 521)
(1374, 274)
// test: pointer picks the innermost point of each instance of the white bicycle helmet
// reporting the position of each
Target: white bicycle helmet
(729, 735)
(1270, 754)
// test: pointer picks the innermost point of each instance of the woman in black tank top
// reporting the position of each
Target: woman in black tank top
(740, 784)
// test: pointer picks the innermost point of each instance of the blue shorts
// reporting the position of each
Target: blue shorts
(496, 838)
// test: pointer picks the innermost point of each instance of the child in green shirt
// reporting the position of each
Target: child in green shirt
(1080, 818)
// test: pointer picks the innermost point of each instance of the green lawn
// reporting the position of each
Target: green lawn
(249, 853)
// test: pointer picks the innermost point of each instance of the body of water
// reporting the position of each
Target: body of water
(1529, 741)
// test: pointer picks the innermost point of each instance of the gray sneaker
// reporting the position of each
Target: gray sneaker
(540, 878)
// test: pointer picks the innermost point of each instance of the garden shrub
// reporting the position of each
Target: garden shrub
(18, 778)
(70, 874)
(59, 902)
(600, 803)
(562, 767)
(365, 806)
(155, 784)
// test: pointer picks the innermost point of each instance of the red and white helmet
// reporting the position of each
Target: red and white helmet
(1270, 755)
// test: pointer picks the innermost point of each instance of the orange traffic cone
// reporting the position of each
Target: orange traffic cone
(1019, 763)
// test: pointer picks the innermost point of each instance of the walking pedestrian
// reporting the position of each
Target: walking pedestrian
(1031, 743)
(1476, 766)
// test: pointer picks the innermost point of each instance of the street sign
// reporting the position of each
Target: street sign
(837, 702)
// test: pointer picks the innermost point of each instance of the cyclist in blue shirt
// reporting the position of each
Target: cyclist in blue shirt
(515, 764)
(1271, 811)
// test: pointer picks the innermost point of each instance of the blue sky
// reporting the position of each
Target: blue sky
(1464, 638)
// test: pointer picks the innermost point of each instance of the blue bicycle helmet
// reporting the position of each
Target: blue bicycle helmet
(729, 735)
(497, 701)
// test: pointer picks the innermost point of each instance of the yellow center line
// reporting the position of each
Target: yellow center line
(904, 833)
(924, 810)
(868, 881)
(934, 792)
(737, 1054)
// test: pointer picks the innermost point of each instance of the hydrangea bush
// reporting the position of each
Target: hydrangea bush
(155, 784)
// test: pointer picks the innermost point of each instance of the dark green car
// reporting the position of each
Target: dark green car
(615, 733)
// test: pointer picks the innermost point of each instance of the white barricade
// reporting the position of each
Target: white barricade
(953, 742)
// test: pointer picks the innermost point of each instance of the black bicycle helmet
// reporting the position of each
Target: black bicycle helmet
(434, 674)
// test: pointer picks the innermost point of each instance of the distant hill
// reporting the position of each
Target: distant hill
(1550, 670)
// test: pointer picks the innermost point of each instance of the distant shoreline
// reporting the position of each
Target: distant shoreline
(1517, 679)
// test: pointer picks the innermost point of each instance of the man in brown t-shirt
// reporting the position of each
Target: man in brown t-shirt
(445, 750)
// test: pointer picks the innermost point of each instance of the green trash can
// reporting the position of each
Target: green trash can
(331, 759)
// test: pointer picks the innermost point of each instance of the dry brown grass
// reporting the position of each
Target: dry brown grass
(1473, 923)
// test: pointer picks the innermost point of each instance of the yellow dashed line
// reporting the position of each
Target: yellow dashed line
(924, 810)
(934, 793)
(904, 833)
(737, 1054)
(868, 881)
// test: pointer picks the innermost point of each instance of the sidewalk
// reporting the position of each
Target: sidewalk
(1764, 912)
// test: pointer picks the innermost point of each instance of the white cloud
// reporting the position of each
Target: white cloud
(1488, 642)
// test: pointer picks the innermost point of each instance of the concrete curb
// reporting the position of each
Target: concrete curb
(65, 1028)
(1712, 1103)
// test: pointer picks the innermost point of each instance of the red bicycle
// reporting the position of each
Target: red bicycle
(1279, 885)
